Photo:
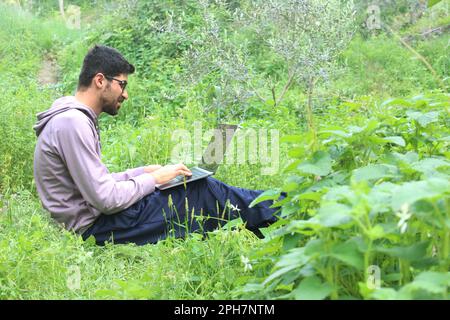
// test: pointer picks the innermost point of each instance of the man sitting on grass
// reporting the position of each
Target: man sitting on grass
(78, 190)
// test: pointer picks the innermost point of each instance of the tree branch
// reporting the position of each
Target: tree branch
(418, 55)
(273, 95)
(256, 92)
(286, 87)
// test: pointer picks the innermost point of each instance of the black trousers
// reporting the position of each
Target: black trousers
(199, 206)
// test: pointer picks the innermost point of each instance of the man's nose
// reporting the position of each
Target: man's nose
(125, 94)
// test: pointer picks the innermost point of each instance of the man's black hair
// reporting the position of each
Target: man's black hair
(103, 59)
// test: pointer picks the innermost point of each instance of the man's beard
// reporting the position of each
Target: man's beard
(110, 105)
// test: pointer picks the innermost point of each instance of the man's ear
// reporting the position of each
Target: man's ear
(99, 80)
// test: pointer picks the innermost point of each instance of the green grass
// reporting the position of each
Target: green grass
(26, 38)
(39, 259)
(25, 41)
(381, 66)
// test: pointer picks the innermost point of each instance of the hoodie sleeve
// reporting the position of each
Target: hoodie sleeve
(76, 143)
(128, 174)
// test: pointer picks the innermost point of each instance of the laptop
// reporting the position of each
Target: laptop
(208, 166)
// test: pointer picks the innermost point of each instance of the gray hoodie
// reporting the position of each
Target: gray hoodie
(72, 182)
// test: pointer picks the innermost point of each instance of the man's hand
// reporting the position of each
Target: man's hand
(151, 168)
(167, 173)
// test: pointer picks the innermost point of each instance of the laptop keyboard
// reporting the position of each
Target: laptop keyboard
(195, 174)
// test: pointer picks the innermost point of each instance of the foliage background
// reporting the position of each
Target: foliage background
(382, 124)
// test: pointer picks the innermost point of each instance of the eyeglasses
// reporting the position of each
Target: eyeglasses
(122, 83)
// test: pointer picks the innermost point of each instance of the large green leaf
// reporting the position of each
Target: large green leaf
(272, 194)
(338, 133)
(312, 288)
(384, 294)
(380, 196)
(296, 152)
(315, 247)
(340, 193)
(288, 209)
(319, 165)
(396, 102)
(292, 138)
(395, 140)
(290, 186)
(332, 215)
(412, 253)
(423, 119)
(375, 172)
(371, 126)
(279, 273)
(301, 225)
(349, 254)
(435, 282)
(295, 258)
(409, 157)
(428, 166)
(410, 192)
(433, 2)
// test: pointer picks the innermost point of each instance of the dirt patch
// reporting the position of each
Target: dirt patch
(49, 72)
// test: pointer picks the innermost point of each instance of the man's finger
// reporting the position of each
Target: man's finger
(184, 168)
(188, 173)
(184, 172)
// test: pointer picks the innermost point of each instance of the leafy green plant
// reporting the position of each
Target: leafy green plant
(363, 201)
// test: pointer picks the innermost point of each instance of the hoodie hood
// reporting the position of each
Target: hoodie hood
(59, 106)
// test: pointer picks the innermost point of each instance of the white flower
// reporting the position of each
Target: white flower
(404, 216)
(234, 208)
(246, 262)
